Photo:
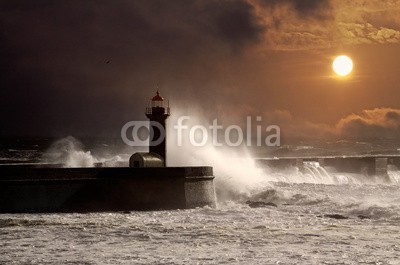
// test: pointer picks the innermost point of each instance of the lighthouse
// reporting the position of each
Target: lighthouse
(158, 112)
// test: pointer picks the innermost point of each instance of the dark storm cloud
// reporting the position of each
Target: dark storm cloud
(238, 24)
(374, 123)
(319, 9)
(86, 65)
(393, 116)
(315, 9)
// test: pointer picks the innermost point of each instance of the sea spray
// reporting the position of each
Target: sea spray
(237, 175)
(69, 152)
(313, 172)
(394, 174)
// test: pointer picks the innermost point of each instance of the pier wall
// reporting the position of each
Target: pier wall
(371, 166)
(24, 189)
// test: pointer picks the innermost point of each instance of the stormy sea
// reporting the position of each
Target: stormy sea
(263, 216)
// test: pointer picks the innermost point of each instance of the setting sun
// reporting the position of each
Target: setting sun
(342, 65)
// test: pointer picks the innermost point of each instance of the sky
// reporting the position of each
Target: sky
(85, 68)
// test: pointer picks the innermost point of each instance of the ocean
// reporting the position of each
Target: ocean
(262, 217)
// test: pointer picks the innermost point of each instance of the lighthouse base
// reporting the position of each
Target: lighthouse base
(24, 189)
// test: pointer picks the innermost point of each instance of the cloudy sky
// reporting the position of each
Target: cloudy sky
(84, 68)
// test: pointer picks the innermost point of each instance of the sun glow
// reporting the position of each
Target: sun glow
(342, 65)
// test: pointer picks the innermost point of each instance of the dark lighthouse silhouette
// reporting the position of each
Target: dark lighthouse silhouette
(158, 112)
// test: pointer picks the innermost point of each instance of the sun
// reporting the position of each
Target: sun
(342, 65)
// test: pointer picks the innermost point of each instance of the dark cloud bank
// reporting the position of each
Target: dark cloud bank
(370, 124)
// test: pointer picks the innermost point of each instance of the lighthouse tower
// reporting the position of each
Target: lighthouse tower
(158, 112)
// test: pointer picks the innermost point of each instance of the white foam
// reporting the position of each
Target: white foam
(394, 176)
(69, 152)
(234, 168)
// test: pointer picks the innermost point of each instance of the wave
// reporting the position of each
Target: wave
(9, 222)
(70, 153)
(374, 211)
(313, 173)
(394, 176)
(346, 201)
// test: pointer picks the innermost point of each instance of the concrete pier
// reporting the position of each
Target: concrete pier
(367, 165)
(24, 189)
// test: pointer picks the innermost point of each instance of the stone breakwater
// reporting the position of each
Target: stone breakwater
(26, 189)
